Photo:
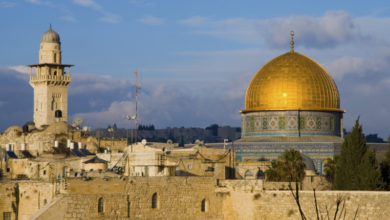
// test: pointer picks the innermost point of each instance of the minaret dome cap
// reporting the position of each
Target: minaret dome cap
(51, 36)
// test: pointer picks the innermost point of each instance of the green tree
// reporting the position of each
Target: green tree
(356, 168)
(330, 168)
(385, 168)
(289, 167)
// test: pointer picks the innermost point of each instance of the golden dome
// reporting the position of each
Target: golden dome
(292, 81)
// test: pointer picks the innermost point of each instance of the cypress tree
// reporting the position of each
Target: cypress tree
(356, 168)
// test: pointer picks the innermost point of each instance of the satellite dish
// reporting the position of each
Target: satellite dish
(144, 142)
(76, 122)
(169, 141)
(86, 129)
(131, 117)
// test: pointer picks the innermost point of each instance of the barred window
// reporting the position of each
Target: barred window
(7, 215)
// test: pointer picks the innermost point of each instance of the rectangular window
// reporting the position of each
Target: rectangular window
(7, 215)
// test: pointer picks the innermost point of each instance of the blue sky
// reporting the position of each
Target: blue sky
(195, 58)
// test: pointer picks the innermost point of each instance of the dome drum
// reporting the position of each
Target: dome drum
(296, 123)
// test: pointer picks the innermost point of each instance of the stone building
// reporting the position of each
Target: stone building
(291, 102)
(160, 159)
(50, 82)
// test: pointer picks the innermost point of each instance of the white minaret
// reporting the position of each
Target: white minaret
(50, 82)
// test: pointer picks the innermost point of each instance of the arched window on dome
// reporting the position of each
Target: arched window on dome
(248, 174)
(155, 202)
(204, 205)
(100, 205)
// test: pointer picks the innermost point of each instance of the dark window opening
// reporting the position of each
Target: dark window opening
(58, 114)
(128, 206)
(204, 205)
(154, 201)
(100, 205)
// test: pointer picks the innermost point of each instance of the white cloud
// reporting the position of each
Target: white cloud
(108, 17)
(7, 4)
(40, 2)
(115, 113)
(165, 106)
(236, 29)
(90, 83)
(331, 29)
(22, 72)
(152, 20)
(142, 3)
(378, 63)
(88, 3)
(68, 18)
(196, 20)
(386, 81)
(21, 69)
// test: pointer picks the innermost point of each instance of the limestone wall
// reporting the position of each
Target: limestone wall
(6, 198)
(115, 145)
(33, 195)
(181, 198)
(55, 210)
(269, 205)
(177, 198)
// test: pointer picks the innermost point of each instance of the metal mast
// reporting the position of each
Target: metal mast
(136, 106)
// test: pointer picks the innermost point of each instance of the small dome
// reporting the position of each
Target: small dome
(14, 128)
(51, 36)
(292, 81)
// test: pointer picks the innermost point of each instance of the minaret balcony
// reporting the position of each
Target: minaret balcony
(49, 78)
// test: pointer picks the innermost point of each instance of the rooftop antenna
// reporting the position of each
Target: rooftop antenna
(136, 106)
